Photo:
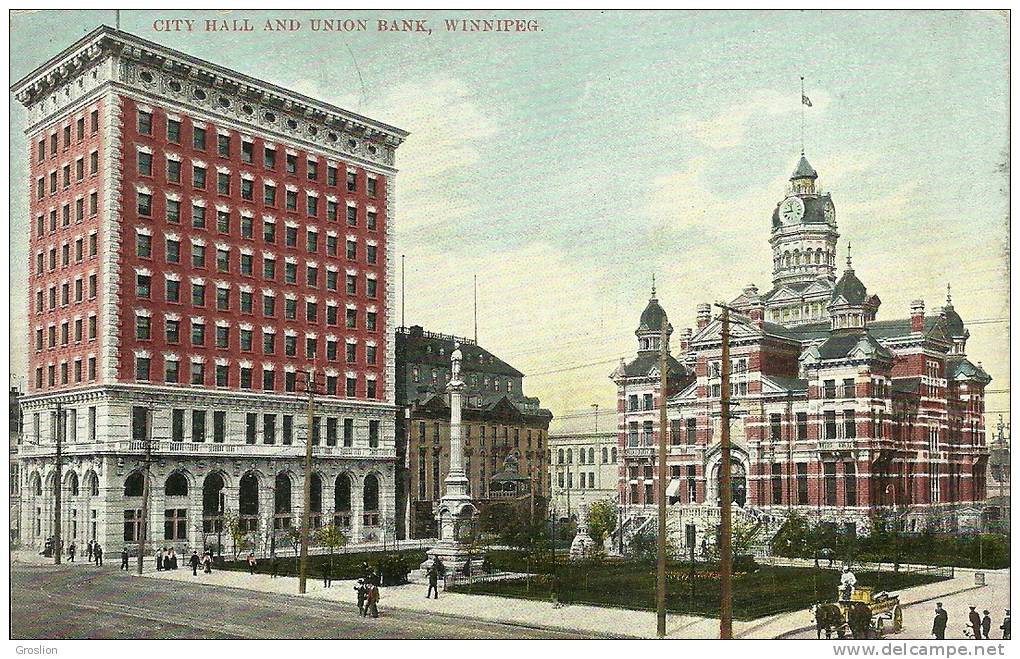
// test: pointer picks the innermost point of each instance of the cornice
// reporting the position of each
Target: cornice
(148, 66)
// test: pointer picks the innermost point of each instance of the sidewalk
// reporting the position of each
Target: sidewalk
(597, 621)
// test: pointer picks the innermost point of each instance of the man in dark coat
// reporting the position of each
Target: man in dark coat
(71, 551)
(159, 559)
(99, 555)
(975, 623)
(88, 549)
(327, 575)
(938, 628)
(433, 581)
(194, 563)
(123, 558)
(1005, 626)
(275, 565)
(986, 624)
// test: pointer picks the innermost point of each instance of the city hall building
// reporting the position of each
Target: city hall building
(200, 241)
(837, 415)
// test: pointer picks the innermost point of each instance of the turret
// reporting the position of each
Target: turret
(653, 319)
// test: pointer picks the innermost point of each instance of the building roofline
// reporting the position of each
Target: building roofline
(105, 31)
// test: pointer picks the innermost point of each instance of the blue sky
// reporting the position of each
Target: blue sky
(565, 166)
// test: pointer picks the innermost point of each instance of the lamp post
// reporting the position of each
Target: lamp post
(305, 513)
(596, 406)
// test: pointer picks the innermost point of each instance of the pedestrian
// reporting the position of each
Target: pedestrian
(88, 549)
(173, 559)
(123, 558)
(251, 563)
(986, 625)
(274, 566)
(71, 549)
(433, 574)
(208, 563)
(362, 592)
(975, 623)
(1005, 626)
(938, 628)
(194, 563)
(99, 554)
(327, 575)
(159, 559)
(373, 599)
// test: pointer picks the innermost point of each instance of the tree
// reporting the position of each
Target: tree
(602, 516)
(293, 536)
(332, 537)
(238, 535)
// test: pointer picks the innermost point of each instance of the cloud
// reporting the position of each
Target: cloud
(730, 126)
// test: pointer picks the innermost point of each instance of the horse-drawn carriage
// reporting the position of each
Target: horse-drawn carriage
(866, 614)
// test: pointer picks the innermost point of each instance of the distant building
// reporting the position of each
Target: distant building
(14, 404)
(996, 510)
(582, 470)
(837, 415)
(505, 432)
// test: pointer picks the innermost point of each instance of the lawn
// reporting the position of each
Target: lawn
(631, 584)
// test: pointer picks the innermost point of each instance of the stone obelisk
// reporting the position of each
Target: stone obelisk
(455, 511)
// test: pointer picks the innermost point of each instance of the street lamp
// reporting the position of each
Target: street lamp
(596, 406)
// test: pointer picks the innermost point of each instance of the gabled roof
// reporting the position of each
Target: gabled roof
(853, 344)
(777, 384)
(960, 368)
(900, 327)
(645, 364)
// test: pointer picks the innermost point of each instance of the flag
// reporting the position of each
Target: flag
(805, 100)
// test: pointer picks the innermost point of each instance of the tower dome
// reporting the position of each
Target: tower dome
(650, 326)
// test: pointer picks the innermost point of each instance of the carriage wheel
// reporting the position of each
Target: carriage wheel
(897, 618)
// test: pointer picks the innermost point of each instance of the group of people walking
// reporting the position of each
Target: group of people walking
(166, 559)
(979, 625)
(367, 590)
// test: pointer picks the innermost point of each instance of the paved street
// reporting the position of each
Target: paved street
(81, 601)
(917, 618)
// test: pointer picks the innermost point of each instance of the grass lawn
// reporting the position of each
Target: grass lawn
(631, 585)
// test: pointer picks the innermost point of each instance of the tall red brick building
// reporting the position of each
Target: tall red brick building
(838, 415)
(201, 240)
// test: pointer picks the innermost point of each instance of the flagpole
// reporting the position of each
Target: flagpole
(802, 115)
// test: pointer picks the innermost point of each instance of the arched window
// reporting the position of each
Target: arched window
(212, 503)
(133, 485)
(35, 485)
(176, 485)
(605, 455)
(72, 484)
(818, 256)
(315, 503)
(580, 456)
(92, 484)
(370, 498)
(591, 456)
(342, 494)
(559, 456)
(614, 454)
(248, 501)
(282, 501)
(570, 456)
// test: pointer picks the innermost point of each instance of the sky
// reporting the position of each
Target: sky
(565, 166)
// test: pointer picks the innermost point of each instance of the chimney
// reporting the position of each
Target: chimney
(917, 316)
(704, 315)
(685, 339)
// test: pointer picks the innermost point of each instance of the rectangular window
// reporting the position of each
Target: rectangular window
(775, 427)
(802, 427)
(269, 429)
(223, 146)
(197, 373)
(288, 429)
(222, 183)
(144, 204)
(802, 484)
(144, 163)
(849, 425)
(352, 180)
(247, 151)
(777, 484)
(198, 177)
(829, 470)
(269, 158)
(850, 483)
(198, 138)
(144, 123)
(173, 131)
(171, 372)
(198, 426)
(251, 420)
(830, 424)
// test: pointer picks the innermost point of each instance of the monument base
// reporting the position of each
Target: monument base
(454, 557)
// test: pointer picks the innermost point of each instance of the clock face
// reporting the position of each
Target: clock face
(830, 213)
(791, 210)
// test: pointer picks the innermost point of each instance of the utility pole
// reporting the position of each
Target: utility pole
(58, 490)
(305, 516)
(143, 526)
(725, 494)
(660, 592)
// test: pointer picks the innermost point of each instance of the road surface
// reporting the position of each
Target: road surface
(78, 601)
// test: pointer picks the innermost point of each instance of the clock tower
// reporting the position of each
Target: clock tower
(803, 251)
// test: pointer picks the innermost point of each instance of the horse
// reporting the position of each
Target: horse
(829, 617)
(859, 619)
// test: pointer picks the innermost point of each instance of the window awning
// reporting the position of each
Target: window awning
(673, 488)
